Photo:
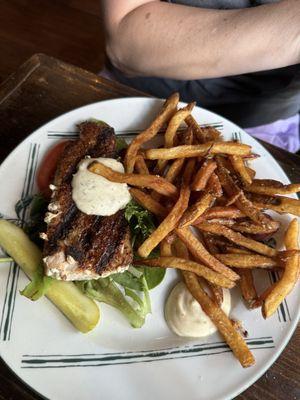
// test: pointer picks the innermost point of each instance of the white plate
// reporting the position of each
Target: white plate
(116, 361)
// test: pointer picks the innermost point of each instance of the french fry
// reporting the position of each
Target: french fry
(199, 132)
(200, 253)
(279, 204)
(154, 182)
(243, 203)
(214, 186)
(140, 165)
(237, 238)
(254, 229)
(220, 319)
(247, 287)
(171, 131)
(211, 134)
(171, 220)
(290, 275)
(165, 114)
(216, 291)
(247, 261)
(240, 168)
(146, 201)
(165, 248)
(271, 187)
(187, 265)
(196, 210)
(174, 170)
(237, 250)
(176, 166)
(187, 151)
(203, 174)
(222, 212)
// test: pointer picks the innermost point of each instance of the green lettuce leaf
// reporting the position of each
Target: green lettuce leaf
(129, 303)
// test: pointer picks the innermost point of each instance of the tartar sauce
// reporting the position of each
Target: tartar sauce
(95, 195)
(185, 316)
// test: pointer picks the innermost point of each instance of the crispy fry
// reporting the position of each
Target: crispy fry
(199, 252)
(186, 151)
(211, 133)
(171, 131)
(171, 220)
(198, 131)
(187, 265)
(176, 166)
(216, 291)
(271, 187)
(165, 248)
(247, 261)
(140, 165)
(241, 202)
(222, 212)
(247, 287)
(214, 186)
(174, 170)
(251, 172)
(196, 210)
(203, 174)
(254, 229)
(279, 204)
(165, 114)
(237, 238)
(220, 319)
(146, 201)
(154, 182)
(237, 250)
(240, 168)
(290, 275)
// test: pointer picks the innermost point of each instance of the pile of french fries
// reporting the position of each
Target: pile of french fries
(210, 211)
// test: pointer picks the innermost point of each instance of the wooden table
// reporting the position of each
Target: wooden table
(44, 88)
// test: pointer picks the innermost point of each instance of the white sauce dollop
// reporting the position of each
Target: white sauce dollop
(95, 195)
(185, 316)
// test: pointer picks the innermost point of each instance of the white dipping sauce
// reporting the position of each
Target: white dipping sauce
(95, 195)
(185, 316)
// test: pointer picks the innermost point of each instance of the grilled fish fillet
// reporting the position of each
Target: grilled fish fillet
(80, 246)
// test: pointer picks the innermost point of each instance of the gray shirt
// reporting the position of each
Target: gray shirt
(249, 100)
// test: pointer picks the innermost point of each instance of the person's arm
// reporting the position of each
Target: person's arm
(154, 38)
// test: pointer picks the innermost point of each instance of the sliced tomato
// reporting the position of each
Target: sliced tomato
(46, 170)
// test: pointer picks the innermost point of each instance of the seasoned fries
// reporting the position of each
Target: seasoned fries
(271, 187)
(200, 253)
(237, 238)
(279, 204)
(247, 287)
(188, 265)
(166, 113)
(241, 169)
(290, 275)
(170, 222)
(140, 165)
(154, 182)
(247, 261)
(146, 201)
(220, 319)
(186, 151)
(196, 210)
(210, 214)
(171, 131)
(203, 175)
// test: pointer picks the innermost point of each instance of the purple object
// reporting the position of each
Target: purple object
(283, 133)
